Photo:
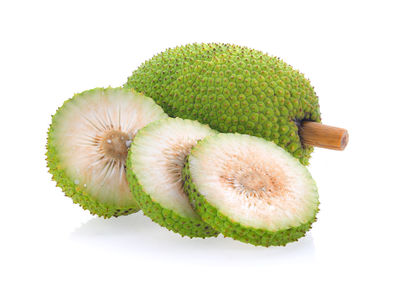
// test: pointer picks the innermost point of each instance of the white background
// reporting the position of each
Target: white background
(53, 49)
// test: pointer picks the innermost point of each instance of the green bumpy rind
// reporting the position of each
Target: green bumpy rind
(232, 89)
(68, 185)
(237, 231)
(166, 217)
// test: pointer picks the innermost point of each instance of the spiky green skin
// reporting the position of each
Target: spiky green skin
(235, 230)
(70, 189)
(163, 216)
(232, 89)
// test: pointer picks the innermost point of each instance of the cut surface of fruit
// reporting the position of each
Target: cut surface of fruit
(250, 189)
(154, 170)
(88, 143)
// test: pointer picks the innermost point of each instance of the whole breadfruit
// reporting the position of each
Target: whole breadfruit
(232, 89)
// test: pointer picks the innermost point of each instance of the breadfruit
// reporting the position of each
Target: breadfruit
(250, 189)
(232, 89)
(154, 170)
(87, 145)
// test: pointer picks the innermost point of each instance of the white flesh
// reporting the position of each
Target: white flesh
(158, 155)
(253, 182)
(79, 131)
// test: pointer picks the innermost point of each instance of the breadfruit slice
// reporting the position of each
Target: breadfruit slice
(250, 189)
(154, 170)
(87, 145)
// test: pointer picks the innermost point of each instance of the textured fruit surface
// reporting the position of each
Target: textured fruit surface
(87, 145)
(232, 89)
(154, 170)
(250, 189)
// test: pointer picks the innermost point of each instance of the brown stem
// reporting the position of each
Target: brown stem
(317, 134)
